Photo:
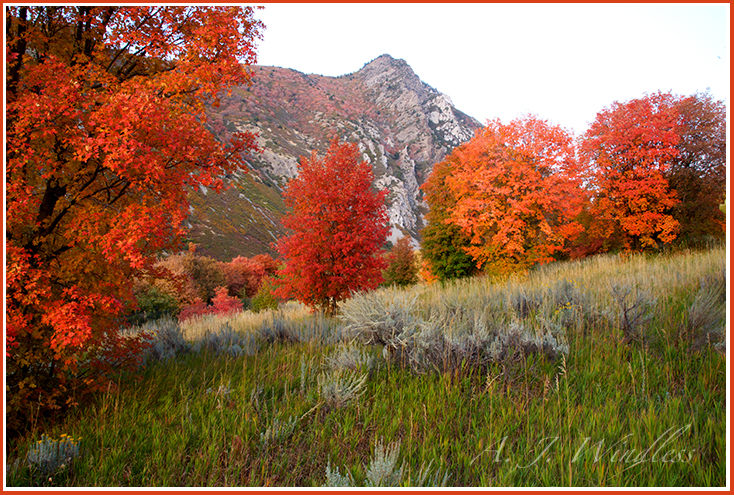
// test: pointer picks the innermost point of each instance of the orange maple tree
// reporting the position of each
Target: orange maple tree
(517, 192)
(105, 129)
(338, 223)
(628, 149)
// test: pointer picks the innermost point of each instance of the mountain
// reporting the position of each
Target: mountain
(402, 126)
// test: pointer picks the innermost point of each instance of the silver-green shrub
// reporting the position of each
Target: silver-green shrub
(337, 388)
(225, 340)
(350, 357)
(336, 479)
(279, 329)
(166, 338)
(277, 431)
(453, 333)
(49, 455)
(705, 324)
(383, 471)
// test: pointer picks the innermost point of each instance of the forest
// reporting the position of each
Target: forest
(552, 266)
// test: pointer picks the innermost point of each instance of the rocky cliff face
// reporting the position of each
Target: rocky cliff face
(402, 127)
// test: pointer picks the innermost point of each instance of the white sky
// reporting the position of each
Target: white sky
(563, 62)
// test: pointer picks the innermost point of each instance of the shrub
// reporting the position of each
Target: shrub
(279, 330)
(338, 388)
(706, 316)
(383, 471)
(226, 340)
(222, 304)
(350, 357)
(244, 276)
(634, 310)
(277, 431)
(153, 303)
(264, 299)
(402, 267)
(165, 337)
(449, 337)
(49, 455)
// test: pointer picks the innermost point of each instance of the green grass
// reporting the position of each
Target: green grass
(650, 411)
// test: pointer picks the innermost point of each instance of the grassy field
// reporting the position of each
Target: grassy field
(605, 372)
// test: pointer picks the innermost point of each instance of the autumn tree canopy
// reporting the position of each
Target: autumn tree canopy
(443, 243)
(338, 223)
(698, 173)
(105, 130)
(517, 191)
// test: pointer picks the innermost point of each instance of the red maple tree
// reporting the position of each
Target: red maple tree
(517, 192)
(105, 130)
(339, 224)
(628, 149)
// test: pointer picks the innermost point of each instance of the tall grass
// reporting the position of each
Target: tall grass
(457, 384)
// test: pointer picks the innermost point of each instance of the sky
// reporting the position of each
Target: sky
(562, 62)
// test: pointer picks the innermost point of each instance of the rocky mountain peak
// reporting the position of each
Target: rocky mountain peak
(402, 125)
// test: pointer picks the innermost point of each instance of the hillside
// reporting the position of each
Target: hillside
(402, 125)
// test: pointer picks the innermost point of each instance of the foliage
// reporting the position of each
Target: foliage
(49, 455)
(698, 173)
(629, 149)
(153, 302)
(447, 339)
(105, 129)
(264, 299)
(444, 244)
(339, 223)
(244, 276)
(222, 304)
(350, 357)
(402, 265)
(517, 191)
(340, 387)
(198, 276)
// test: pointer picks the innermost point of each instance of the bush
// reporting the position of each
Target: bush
(226, 340)
(153, 304)
(338, 388)
(264, 299)
(49, 455)
(448, 338)
(222, 304)
(383, 471)
(402, 268)
(705, 324)
(350, 357)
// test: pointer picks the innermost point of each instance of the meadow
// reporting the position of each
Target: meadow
(605, 372)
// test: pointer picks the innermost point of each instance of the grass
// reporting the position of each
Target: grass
(634, 395)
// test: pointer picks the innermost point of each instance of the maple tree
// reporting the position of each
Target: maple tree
(105, 130)
(443, 243)
(517, 192)
(629, 148)
(402, 265)
(698, 172)
(339, 224)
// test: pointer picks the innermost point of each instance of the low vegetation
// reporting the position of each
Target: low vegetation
(610, 371)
